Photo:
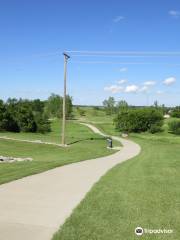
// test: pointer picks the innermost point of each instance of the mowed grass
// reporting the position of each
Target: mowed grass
(74, 132)
(83, 145)
(98, 118)
(164, 136)
(143, 191)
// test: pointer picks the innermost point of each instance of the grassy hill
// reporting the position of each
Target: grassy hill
(83, 144)
(143, 191)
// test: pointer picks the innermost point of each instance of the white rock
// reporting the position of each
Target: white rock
(12, 159)
(124, 135)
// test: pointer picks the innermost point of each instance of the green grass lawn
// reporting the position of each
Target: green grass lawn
(83, 145)
(142, 192)
(92, 115)
(98, 118)
(74, 132)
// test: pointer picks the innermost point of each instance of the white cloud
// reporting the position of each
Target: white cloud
(169, 81)
(124, 69)
(118, 19)
(143, 89)
(114, 89)
(159, 92)
(149, 83)
(131, 89)
(122, 81)
(174, 13)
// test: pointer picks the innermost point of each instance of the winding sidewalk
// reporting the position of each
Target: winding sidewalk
(34, 207)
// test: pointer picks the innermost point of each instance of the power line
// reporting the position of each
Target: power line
(127, 63)
(124, 53)
(120, 56)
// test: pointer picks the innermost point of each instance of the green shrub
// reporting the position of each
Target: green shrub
(81, 111)
(139, 120)
(155, 128)
(176, 112)
(174, 126)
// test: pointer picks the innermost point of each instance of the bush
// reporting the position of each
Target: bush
(155, 128)
(81, 111)
(139, 120)
(176, 112)
(174, 126)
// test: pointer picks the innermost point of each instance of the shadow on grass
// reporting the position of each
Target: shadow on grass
(86, 139)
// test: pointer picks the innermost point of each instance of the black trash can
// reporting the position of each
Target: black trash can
(109, 140)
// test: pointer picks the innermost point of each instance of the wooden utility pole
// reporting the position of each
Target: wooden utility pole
(66, 57)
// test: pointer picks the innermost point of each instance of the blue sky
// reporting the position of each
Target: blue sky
(33, 35)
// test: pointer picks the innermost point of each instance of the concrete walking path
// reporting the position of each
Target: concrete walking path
(34, 207)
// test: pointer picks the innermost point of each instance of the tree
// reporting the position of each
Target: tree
(23, 115)
(9, 123)
(164, 109)
(38, 106)
(54, 106)
(69, 107)
(109, 105)
(2, 110)
(9, 118)
(156, 104)
(26, 120)
(122, 105)
(42, 123)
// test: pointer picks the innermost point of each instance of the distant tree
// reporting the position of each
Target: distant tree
(54, 106)
(122, 105)
(164, 110)
(156, 104)
(109, 105)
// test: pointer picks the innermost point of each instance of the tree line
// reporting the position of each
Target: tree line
(141, 119)
(22, 115)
